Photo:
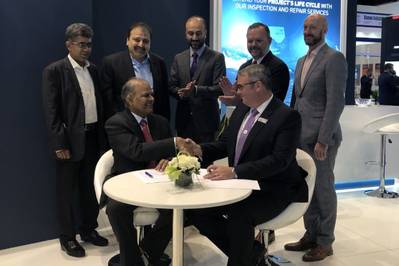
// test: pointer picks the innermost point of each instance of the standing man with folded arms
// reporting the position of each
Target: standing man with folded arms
(194, 78)
(320, 82)
(136, 61)
(74, 115)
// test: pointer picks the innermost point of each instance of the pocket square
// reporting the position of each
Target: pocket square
(262, 120)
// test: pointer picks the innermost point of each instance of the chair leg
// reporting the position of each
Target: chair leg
(271, 260)
(140, 233)
(381, 192)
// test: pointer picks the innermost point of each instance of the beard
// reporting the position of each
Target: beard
(196, 44)
(313, 40)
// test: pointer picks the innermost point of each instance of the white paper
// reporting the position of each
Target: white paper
(152, 176)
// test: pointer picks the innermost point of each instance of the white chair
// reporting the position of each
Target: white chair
(141, 216)
(294, 211)
(383, 126)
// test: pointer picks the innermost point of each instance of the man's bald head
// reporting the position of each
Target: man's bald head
(314, 30)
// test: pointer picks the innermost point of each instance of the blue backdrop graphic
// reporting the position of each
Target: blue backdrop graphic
(285, 20)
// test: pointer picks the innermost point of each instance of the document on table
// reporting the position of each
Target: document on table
(153, 176)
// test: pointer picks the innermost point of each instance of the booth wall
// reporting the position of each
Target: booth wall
(32, 36)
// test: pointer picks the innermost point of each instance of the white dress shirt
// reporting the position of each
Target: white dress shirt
(87, 88)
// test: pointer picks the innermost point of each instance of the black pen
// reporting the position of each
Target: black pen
(148, 174)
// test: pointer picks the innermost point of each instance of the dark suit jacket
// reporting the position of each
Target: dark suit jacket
(388, 89)
(202, 107)
(269, 151)
(365, 87)
(117, 69)
(130, 150)
(279, 73)
(64, 108)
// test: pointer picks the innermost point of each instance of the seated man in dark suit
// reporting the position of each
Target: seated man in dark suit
(139, 140)
(136, 61)
(260, 143)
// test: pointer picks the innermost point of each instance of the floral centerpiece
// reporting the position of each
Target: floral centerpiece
(181, 169)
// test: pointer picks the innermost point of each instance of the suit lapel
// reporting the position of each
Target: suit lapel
(127, 66)
(72, 76)
(155, 73)
(201, 61)
(315, 63)
(258, 126)
(298, 73)
(185, 64)
(133, 125)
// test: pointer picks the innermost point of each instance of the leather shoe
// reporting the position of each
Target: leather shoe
(164, 260)
(302, 245)
(94, 238)
(116, 261)
(318, 253)
(258, 253)
(72, 248)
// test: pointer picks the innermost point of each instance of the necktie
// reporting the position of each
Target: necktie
(193, 65)
(147, 138)
(254, 62)
(244, 134)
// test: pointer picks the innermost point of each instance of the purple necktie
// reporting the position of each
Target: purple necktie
(193, 67)
(244, 134)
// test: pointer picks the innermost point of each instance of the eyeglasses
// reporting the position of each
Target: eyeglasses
(241, 86)
(83, 45)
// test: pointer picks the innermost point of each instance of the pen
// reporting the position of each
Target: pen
(148, 174)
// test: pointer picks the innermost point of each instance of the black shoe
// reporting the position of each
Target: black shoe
(72, 248)
(272, 237)
(116, 261)
(164, 260)
(94, 238)
(258, 253)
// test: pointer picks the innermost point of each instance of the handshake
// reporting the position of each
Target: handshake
(188, 146)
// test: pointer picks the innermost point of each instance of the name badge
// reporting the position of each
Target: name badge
(262, 120)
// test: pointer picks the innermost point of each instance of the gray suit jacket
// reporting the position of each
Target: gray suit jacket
(201, 106)
(321, 100)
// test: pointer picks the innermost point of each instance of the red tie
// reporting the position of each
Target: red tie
(254, 62)
(147, 138)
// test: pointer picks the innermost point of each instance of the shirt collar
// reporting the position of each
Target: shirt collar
(260, 59)
(316, 50)
(261, 108)
(138, 118)
(199, 51)
(136, 62)
(76, 64)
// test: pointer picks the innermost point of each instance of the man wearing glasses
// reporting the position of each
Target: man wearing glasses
(73, 112)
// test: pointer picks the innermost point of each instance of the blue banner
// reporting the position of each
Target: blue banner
(285, 19)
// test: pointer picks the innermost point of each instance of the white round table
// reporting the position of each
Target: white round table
(129, 189)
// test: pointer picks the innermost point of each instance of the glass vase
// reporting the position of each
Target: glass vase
(184, 180)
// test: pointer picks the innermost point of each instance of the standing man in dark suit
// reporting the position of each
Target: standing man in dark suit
(388, 86)
(73, 110)
(366, 83)
(320, 83)
(260, 143)
(258, 44)
(136, 61)
(194, 78)
(140, 140)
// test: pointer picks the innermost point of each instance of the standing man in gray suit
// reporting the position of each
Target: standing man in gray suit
(194, 79)
(320, 82)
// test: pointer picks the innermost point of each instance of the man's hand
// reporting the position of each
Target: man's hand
(188, 146)
(219, 172)
(185, 92)
(226, 86)
(63, 154)
(161, 165)
(230, 100)
(320, 151)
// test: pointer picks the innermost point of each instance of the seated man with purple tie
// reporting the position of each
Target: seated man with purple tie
(139, 140)
(260, 143)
